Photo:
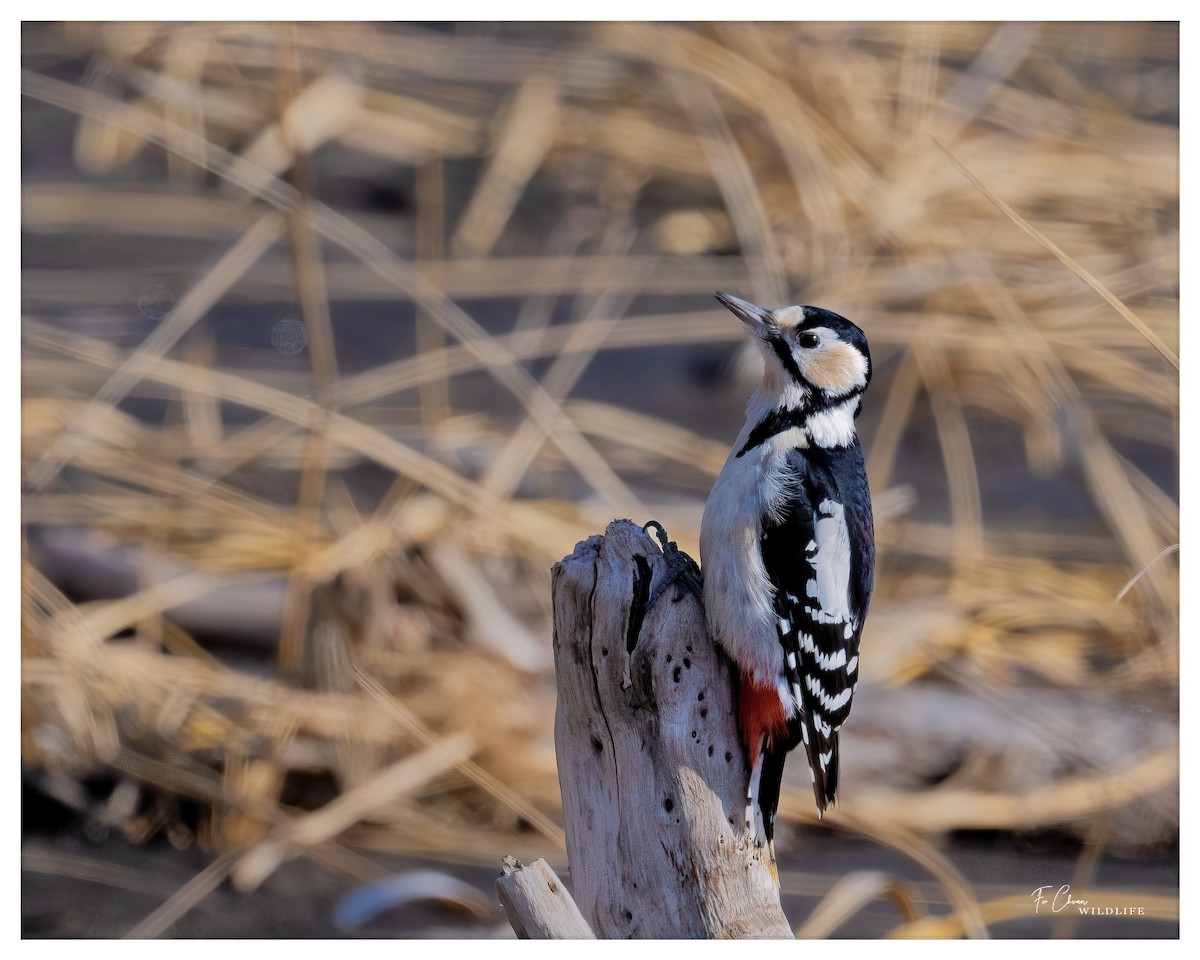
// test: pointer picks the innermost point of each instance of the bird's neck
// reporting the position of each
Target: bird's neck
(823, 422)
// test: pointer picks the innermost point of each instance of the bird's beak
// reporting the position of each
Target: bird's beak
(757, 320)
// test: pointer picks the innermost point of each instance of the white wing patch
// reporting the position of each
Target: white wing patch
(831, 561)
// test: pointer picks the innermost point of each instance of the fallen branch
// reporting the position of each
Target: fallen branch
(538, 905)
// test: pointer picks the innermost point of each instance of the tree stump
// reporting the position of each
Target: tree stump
(650, 766)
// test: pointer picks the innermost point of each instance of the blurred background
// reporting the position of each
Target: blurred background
(336, 337)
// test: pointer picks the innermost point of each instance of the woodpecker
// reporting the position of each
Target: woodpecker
(787, 548)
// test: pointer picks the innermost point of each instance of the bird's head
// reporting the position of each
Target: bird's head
(810, 353)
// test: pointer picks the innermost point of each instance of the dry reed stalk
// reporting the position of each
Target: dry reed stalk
(504, 794)
(519, 147)
(736, 182)
(465, 279)
(186, 897)
(1134, 321)
(311, 117)
(648, 435)
(587, 337)
(346, 234)
(849, 895)
(202, 295)
(56, 864)
(958, 892)
(367, 441)
(955, 440)
(54, 208)
(1071, 798)
(261, 859)
(431, 243)
(314, 306)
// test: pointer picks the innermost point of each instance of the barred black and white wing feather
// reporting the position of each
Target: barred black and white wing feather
(821, 597)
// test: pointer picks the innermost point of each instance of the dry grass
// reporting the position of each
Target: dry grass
(997, 208)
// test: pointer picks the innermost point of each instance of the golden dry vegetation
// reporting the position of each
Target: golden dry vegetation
(996, 205)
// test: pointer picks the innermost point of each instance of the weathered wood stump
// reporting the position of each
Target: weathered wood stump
(650, 767)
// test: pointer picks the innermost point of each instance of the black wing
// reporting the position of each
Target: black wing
(818, 551)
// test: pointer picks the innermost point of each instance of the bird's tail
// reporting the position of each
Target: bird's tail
(821, 747)
(769, 788)
(767, 735)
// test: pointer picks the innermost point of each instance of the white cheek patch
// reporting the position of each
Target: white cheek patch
(835, 366)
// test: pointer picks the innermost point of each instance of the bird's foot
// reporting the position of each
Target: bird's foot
(682, 570)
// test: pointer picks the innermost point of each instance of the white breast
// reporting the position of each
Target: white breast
(738, 595)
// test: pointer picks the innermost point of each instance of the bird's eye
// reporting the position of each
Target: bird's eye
(809, 340)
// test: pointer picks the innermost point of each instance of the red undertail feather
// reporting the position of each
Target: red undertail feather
(760, 717)
(766, 737)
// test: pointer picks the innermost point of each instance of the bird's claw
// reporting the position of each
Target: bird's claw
(682, 570)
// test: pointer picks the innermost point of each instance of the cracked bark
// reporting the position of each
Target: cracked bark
(650, 767)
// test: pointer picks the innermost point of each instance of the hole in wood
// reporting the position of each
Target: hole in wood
(641, 596)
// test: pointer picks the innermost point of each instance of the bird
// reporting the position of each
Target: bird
(787, 550)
